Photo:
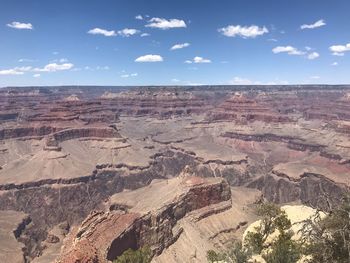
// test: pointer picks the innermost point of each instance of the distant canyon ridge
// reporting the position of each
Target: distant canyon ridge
(88, 172)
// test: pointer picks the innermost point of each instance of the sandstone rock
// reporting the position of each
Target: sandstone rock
(111, 233)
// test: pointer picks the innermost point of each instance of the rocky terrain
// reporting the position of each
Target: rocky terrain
(88, 172)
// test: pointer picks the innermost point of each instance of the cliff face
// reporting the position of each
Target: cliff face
(69, 134)
(68, 151)
(109, 234)
(12, 225)
(240, 108)
(161, 104)
(10, 133)
(312, 189)
(284, 106)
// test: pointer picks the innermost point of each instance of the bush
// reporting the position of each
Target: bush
(282, 249)
(212, 256)
(142, 255)
(237, 254)
(327, 239)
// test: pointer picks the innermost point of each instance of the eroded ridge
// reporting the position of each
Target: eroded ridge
(68, 151)
(104, 236)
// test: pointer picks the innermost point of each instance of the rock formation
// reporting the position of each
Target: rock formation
(68, 151)
(104, 236)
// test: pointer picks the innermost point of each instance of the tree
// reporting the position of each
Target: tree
(212, 256)
(282, 249)
(142, 255)
(237, 254)
(327, 238)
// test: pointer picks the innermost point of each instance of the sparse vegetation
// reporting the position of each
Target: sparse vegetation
(142, 255)
(327, 239)
(237, 254)
(212, 256)
(324, 238)
(282, 249)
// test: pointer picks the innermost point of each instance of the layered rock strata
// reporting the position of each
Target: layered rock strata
(104, 236)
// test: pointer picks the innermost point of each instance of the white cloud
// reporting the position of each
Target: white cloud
(272, 40)
(201, 60)
(198, 60)
(163, 23)
(335, 64)
(19, 25)
(28, 68)
(129, 75)
(175, 80)
(287, 49)
(100, 31)
(318, 23)
(36, 75)
(26, 60)
(313, 55)
(61, 60)
(243, 31)
(338, 50)
(102, 68)
(126, 32)
(145, 35)
(338, 54)
(15, 71)
(11, 72)
(139, 17)
(179, 46)
(149, 58)
(52, 67)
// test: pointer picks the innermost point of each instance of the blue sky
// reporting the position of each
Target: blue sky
(128, 42)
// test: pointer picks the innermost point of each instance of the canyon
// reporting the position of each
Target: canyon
(89, 172)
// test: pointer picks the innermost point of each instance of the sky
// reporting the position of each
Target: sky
(182, 42)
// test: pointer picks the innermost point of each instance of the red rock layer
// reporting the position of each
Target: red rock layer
(242, 109)
(104, 236)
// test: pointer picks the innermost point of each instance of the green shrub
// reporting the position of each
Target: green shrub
(142, 255)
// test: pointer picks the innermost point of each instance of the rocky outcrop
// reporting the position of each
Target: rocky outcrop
(156, 102)
(311, 189)
(212, 130)
(291, 142)
(21, 226)
(12, 223)
(243, 109)
(69, 134)
(52, 201)
(10, 133)
(109, 234)
(8, 116)
(343, 127)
